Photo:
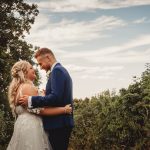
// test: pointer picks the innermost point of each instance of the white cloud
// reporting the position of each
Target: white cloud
(141, 20)
(122, 59)
(84, 5)
(68, 33)
(105, 65)
(97, 77)
(91, 69)
(111, 54)
(94, 72)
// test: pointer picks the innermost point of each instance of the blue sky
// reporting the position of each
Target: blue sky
(102, 43)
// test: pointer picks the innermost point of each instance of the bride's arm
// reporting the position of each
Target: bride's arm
(31, 90)
(56, 110)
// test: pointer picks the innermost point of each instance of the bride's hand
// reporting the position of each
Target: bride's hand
(68, 109)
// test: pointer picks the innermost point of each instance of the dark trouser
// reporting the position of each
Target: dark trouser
(59, 138)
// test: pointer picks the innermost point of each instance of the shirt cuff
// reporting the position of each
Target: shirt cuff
(30, 102)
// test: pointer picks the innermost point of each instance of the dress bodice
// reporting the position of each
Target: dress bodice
(20, 110)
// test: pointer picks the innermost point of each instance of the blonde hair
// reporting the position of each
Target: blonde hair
(18, 73)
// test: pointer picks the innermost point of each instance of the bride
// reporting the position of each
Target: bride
(28, 132)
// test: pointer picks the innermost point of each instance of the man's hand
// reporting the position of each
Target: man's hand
(23, 101)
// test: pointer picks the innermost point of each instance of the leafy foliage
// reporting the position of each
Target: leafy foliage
(111, 121)
(16, 19)
(6, 127)
(106, 121)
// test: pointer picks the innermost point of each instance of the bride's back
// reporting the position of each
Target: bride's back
(24, 89)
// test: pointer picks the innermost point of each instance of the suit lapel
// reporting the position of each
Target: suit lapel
(48, 84)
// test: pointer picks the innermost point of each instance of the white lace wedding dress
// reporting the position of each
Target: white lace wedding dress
(28, 132)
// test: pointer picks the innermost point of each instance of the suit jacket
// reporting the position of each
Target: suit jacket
(58, 93)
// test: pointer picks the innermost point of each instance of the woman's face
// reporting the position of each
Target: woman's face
(31, 73)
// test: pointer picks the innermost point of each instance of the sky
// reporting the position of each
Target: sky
(102, 43)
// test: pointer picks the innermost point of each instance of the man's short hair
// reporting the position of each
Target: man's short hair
(43, 51)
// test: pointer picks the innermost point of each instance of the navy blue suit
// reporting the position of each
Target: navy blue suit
(58, 93)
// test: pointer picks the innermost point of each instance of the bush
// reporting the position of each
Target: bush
(6, 127)
(116, 122)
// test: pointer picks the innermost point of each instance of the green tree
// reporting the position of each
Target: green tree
(16, 18)
(116, 122)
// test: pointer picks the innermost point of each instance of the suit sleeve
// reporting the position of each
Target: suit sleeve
(56, 96)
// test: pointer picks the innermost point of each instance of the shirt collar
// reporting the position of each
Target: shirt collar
(53, 66)
(49, 71)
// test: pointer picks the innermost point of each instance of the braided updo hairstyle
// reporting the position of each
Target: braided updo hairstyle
(18, 73)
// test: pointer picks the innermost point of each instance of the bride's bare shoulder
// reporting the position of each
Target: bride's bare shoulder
(29, 89)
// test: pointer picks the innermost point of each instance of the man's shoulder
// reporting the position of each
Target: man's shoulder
(59, 67)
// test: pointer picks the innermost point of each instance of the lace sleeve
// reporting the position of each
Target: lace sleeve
(35, 110)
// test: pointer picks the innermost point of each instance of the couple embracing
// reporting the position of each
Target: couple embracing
(44, 121)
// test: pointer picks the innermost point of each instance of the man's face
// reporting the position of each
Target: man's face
(44, 62)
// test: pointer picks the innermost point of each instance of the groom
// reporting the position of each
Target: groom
(58, 93)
